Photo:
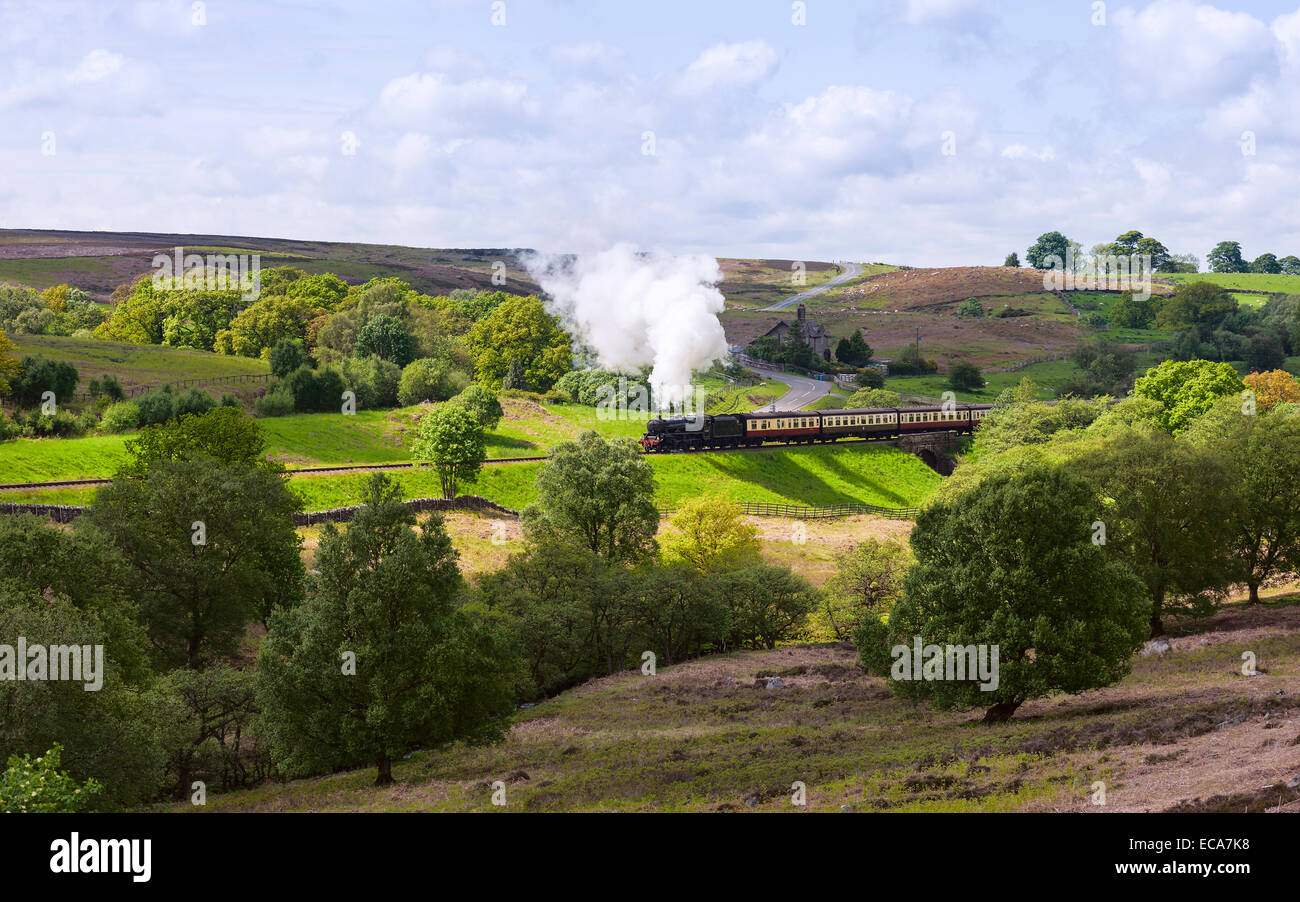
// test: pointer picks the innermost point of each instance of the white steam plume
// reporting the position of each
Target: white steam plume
(634, 309)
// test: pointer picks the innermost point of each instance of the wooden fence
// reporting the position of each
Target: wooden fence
(805, 512)
(66, 513)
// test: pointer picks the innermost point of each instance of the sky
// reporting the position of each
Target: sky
(920, 132)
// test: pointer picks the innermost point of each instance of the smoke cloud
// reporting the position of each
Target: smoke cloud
(636, 309)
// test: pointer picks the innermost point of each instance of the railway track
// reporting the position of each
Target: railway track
(371, 468)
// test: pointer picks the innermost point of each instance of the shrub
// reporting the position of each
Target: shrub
(195, 401)
(157, 406)
(286, 356)
(121, 417)
(374, 380)
(482, 403)
(38, 786)
(277, 402)
(429, 379)
(768, 604)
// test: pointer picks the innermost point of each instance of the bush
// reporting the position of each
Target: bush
(62, 424)
(107, 387)
(156, 407)
(965, 376)
(121, 417)
(315, 390)
(429, 379)
(374, 380)
(287, 356)
(768, 604)
(482, 403)
(870, 377)
(38, 786)
(40, 375)
(195, 401)
(8, 428)
(278, 402)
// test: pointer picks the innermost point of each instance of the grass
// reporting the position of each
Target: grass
(744, 398)
(42, 272)
(136, 364)
(1250, 281)
(699, 737)
(322, 439)
(824, 475)
(1047, 375)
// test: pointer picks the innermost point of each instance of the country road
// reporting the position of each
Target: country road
(802, 389)
(851, 270)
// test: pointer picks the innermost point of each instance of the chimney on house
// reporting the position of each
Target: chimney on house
(801, 314)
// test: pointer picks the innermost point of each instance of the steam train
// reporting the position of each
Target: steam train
(749, 430)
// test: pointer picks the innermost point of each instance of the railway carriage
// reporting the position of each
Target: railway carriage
(783, 426)
(875, 422)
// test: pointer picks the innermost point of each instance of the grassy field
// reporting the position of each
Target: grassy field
(1183, 731)
(42, 272)
(1047, 375)
(743, 399)
(136, 364)
(1251, 281)
(814, 476)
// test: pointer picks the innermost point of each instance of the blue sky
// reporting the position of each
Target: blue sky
(818, 141)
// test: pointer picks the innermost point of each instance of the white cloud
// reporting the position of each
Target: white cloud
(97, 65)
(728, 66)
(1178, 49)
(1024, 152)
(921, 11)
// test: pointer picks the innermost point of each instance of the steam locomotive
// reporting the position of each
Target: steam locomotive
(749, 430)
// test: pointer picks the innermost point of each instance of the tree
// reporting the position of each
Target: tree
(208, 546)
(859, 348)
(1263, 524)
(1264, 351)
(844, 351)
(1266, 263)
(868, 580)
(225, 434)
(965, 376)
(39, 786)
(873, 397)
(869, 377)
(1187, 389)
(380, 660)
(450, 438)
(39, 375)
(566, 610)
(971, 307)
(1272, 388)
(599, 495)
(707, 533)
(286, 356)
(1161, 524)
(1132, 312)
(519, 330)
(1159, 254)
(315, 390)
(1203, 303)
(1290, 265)
(387, 338)
(1061, 615)
(1013, 259)
(768, 604)
(1049, 244)
(428, 379)
(482, 404)
(10, 368)
(674, 612)
(1226, 257)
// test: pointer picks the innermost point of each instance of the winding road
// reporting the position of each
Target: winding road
(802, 391)
(851, 271)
